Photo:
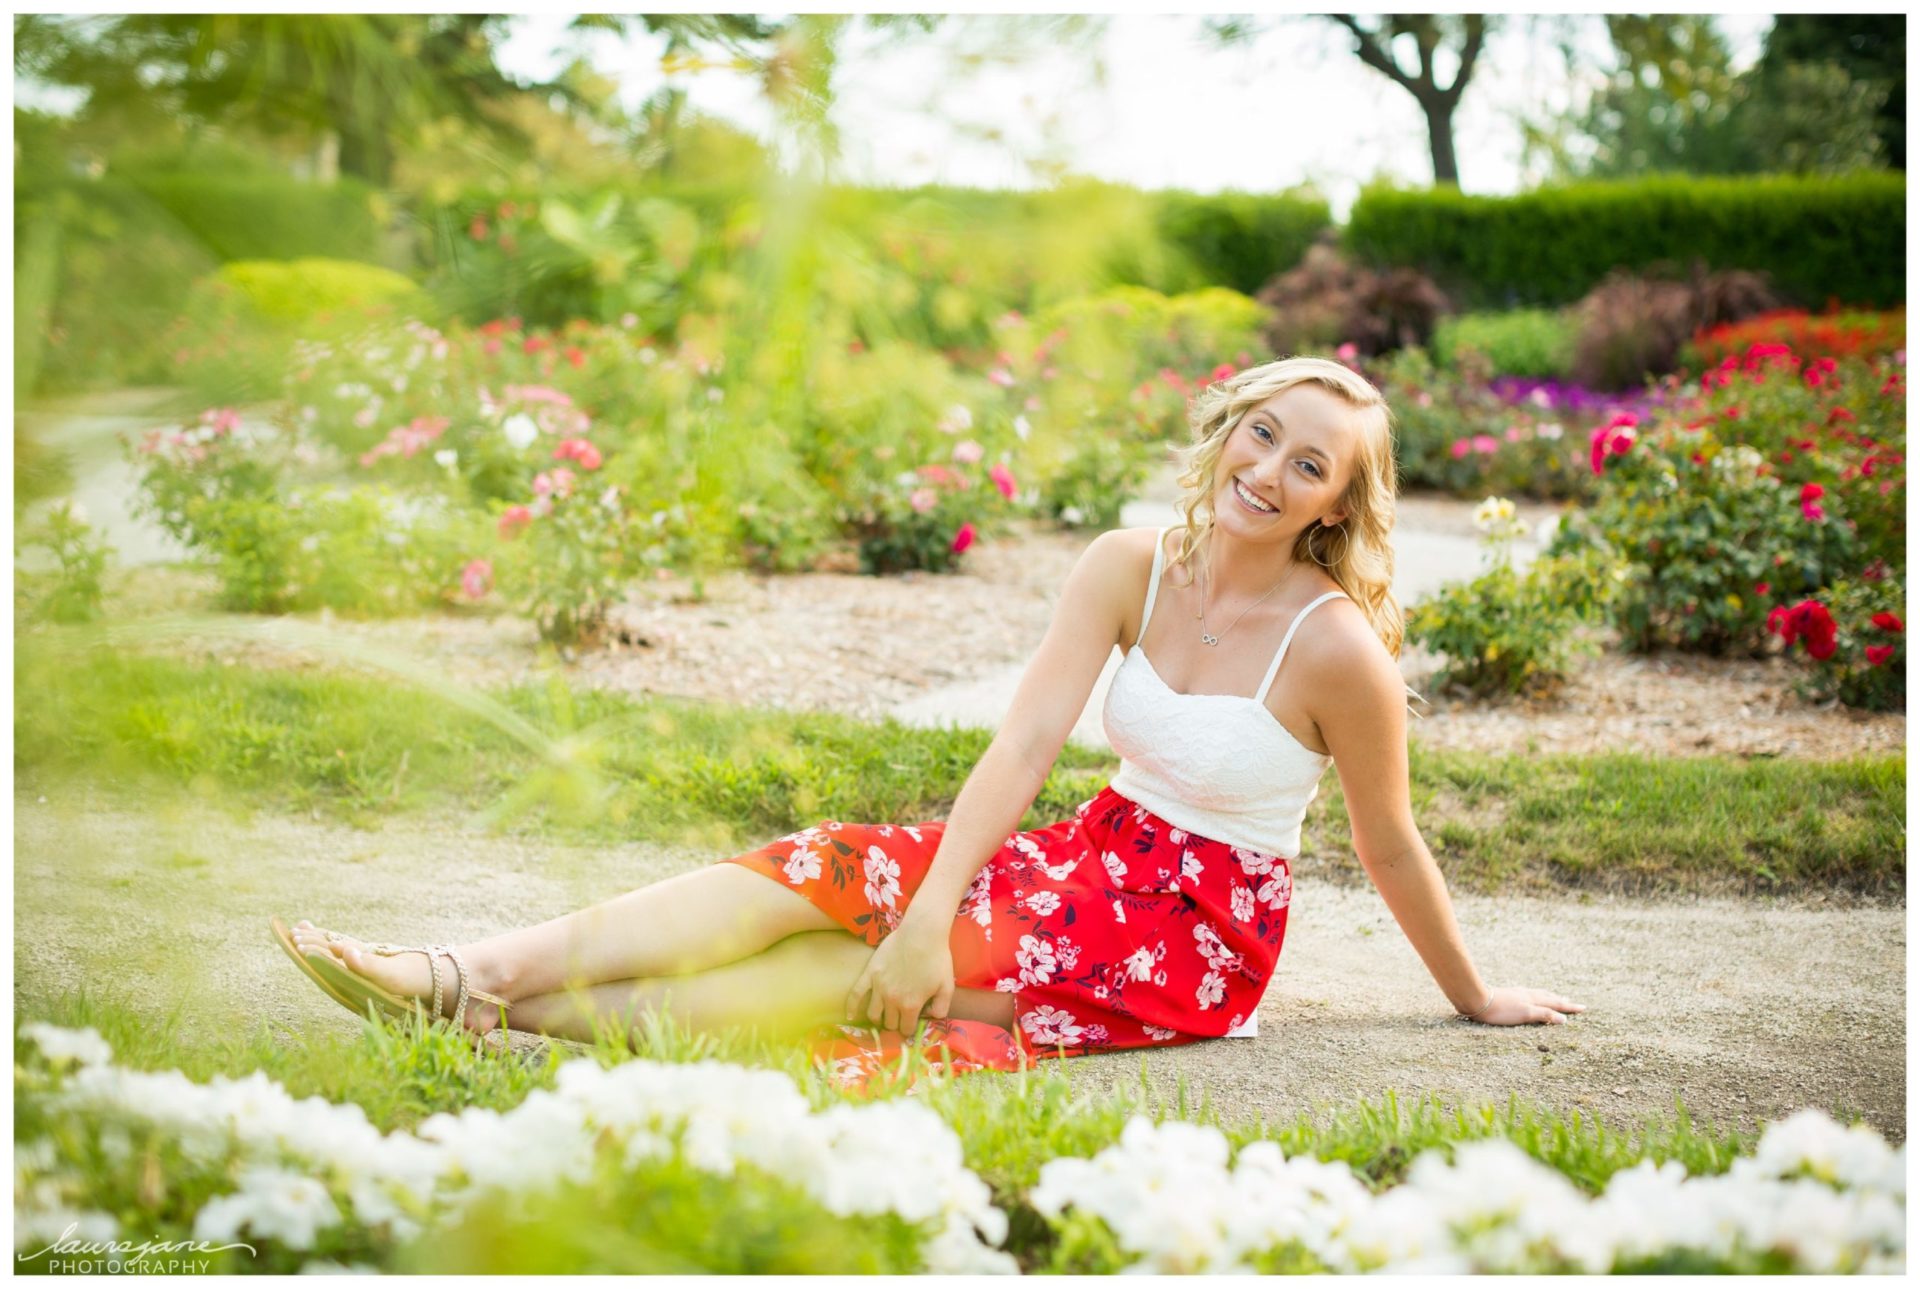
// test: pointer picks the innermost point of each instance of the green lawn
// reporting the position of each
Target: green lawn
(590, 763)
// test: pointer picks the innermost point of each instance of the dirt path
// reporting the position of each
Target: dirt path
(1747, 1009)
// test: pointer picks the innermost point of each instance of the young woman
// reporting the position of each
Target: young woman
(1259, 639)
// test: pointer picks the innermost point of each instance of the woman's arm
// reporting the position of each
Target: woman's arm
(1053, 692)
(1359, 705)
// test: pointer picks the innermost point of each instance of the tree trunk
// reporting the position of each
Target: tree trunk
(1446, 170)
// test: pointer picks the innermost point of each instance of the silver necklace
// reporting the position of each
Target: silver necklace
(1207, 637)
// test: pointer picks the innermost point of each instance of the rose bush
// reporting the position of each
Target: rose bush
(1778, 479)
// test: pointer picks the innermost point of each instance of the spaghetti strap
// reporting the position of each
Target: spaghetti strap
(1153, 584)
(1273, 668)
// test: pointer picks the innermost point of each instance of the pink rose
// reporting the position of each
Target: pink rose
(1003, 480)
(476, 579)
(1485, 444)
(922, 500)
(1001, 377)
(1460, 448)
(963, 538)
(1348, 352)
(513, 519)
(578, 450)
(968, 452)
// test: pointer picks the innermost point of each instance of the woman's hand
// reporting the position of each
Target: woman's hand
(1517, 1006)
(912, 969)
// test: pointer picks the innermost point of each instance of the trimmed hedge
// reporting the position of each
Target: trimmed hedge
(1239, 239)
(266, 217)
(1819, 238)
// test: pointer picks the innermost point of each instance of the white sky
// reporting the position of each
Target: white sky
(1170, 112)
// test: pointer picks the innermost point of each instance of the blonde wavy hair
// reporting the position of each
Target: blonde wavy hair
(1363, 563)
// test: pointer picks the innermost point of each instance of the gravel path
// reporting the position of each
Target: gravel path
(1746, 1010)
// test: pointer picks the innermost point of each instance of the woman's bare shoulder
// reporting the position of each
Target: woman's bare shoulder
(1122, 554)
(1337, 647)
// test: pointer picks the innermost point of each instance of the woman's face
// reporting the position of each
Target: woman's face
(1286, 465)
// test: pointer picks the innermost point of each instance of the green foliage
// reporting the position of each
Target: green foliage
(300, 291)
(1818, 238)
(600, 765)
(239, 327)
(1239, 240)
(265, 216)
(1510, 633)
(1514, 342)
(1451, 431)
(1770, 487)
(221, 492)
(1649, 826)
(69, 590)
(1098, 477)
(1867, 615)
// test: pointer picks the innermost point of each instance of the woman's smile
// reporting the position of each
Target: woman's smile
(1251, 500)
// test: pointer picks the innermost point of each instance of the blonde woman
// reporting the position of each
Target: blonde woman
(1259, 637)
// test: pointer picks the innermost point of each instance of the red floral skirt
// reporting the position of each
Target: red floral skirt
(1113, 929)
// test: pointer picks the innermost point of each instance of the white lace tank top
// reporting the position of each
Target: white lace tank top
(1219, 765)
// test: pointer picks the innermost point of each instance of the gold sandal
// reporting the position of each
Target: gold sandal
(355, 992)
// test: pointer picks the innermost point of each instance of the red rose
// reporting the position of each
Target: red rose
(963, 538)
(1877, 654)
(1761, 588)
(1888, 622)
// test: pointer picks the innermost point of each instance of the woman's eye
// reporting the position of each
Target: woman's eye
(1266, 435)
(1312, 467)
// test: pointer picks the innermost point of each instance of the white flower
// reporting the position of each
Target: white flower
(1050, 1026)
(1252, 862)
(82, 1046)
(959, 417)
(1548, 430)
(273, 1204)
(1043, 903)
(802, 865)
(1116, 867)
(1022, 427)
(1212, 988)
(1277, 891)
(520, 430)
(1036, 960)
(1072, 515)
(883, 878)
(1242, 904)
(446, 458)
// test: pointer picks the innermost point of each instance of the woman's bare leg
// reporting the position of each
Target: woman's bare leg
(798, 985)
(689, 923)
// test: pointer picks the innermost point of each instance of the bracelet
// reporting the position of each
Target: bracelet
(1460, 1015)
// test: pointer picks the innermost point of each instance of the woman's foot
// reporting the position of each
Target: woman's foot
(405, 975)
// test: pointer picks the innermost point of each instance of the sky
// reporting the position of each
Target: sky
(1149, 101)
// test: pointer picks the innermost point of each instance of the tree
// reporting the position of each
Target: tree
(370, 79)
(1463, 36)
(1870, 48)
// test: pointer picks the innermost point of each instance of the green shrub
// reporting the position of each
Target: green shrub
(1817, 237)
(1515, 342)
(67, 585)
(299, 291)
(1510, 633)
(1237, 239)
(1867, 665)
(1770, 487)
(265, 215)
(237, 331)
(1454, 433)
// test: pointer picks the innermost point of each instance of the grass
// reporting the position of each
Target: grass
(1633, 824)
(593, 764)
(1008, 1124)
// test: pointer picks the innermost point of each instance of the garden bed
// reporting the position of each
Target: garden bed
(861, 646)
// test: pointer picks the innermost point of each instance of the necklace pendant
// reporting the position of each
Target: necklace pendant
(1207, 639)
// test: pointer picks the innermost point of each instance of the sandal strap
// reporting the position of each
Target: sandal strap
(460, 971)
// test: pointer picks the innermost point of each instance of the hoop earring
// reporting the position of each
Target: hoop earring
(1314, 555)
